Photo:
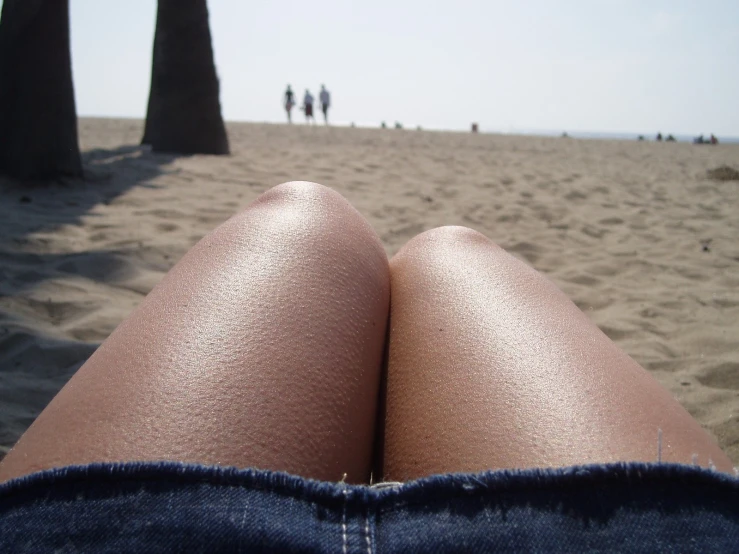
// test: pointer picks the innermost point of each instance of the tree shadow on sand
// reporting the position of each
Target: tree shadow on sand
(30, 207)
(35, 362)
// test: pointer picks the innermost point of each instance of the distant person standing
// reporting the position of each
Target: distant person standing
(308, 106)
(325, 97)
(289, 103)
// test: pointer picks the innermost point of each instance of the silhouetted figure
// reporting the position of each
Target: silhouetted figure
(325, 98)
(289, 103)
(474, 128)
(184, 112)
(670, 138)
(383, 125)
(640, 138)
(659, 137)
(714, 140)
(38, 120)
(699, 140)
(398, 125)
(308, 107)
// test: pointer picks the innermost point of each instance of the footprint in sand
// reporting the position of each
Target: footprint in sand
(166, 227)
(722, 376)
(528, 250)
(575, 195)
(616, 334)
(102, 267)
(585, 280)
(593, 232)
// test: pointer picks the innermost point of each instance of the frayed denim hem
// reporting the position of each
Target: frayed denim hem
(168, 506)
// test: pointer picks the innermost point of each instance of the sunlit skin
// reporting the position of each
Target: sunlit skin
(492, 366)
(264, 346)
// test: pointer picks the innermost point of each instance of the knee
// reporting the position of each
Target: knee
(444, 242)
(302, 197)
(302, 207)
(299, 191)
(308, 215)
(463, 257)
(451, 236)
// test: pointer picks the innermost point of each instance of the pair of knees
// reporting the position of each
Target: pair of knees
(327, 221)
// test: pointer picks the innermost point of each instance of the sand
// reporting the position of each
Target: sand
(639, 237)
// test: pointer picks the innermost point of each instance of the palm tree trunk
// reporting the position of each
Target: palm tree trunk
(184, 112)
(38, 120)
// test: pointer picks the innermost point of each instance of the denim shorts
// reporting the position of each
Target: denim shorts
(172, 507)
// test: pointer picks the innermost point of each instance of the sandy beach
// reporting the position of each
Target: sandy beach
(635, 232)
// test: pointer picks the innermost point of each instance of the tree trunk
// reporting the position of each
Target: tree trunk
(184, 112)
(38, 120)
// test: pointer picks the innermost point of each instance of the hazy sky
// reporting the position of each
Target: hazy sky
(600, 65)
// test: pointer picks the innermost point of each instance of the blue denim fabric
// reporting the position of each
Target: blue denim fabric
(171, 507)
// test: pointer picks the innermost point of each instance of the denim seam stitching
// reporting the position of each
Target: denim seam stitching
(367, 537)
(344, 541)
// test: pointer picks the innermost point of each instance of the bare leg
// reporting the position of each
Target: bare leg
(492, 366)
(261, 347)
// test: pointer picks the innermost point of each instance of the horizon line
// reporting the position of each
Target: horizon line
(572, 133)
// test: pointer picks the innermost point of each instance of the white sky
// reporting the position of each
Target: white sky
(597, 65)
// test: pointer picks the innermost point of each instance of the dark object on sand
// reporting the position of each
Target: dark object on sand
(659, 137)
(706, 245)
(474, 128)
(184, 112)
(383, 125)
(670, 138)
(398, 125)
(723, 173)
(640, 137)
(700, 140)
(38, 118)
